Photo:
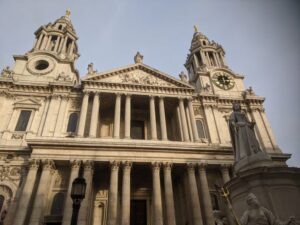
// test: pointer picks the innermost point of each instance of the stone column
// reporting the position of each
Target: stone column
(169, 197)
(196, 210)
(48, 43)
(125, 220)
(183, 120)
(40, 200)
(153, 118)
(225, 172)
(156, 198)
(44, 42)
(60, 116)
(95, 116)
(75, 166)
(26, 195)
(83, 113)
(113, 194)
(193, 121)
(85, 211)
(63, 50)
(127, 116)
(39, 41)
(56, 43)
(204, 192)
(188, 121)
(162, 115)
(117, 116)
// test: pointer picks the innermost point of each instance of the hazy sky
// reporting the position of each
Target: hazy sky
(261, 39)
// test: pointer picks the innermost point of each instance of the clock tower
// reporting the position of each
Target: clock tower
(217, 87)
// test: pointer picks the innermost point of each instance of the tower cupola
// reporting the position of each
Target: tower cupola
(204, 54)
(58, 38)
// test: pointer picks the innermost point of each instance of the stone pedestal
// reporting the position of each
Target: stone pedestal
(256, 160)
(277, 189)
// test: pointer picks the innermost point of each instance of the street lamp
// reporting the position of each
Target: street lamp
(77, 195)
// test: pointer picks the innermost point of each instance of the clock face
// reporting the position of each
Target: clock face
(223, 80)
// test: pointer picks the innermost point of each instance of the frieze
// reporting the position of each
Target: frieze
(141, 78)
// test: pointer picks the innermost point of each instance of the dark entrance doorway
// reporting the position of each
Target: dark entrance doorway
(137, 129)
(138, 212)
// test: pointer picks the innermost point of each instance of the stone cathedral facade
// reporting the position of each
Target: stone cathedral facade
(152, 147)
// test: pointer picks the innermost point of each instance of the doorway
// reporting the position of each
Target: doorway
(138, 212)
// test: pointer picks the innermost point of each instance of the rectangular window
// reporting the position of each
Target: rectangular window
(23, 120)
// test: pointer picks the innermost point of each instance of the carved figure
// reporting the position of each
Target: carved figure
(259, 215)
(7, 73)
(206, 88)
(220, 218)
(183, 77)
(91, 69)
(138, 58)
(63, 77)
(242, 134)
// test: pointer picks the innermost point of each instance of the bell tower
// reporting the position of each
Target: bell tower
(58, 38)
(53, 56)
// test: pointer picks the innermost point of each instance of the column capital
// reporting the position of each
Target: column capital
(127, 165)
(34, 163)
(191, 167)
(97, 93)
(48, 164)
(202, 165)
(86, 92)
(156, 165)
(225, 166)
(167, 165)
(118, 94)
(75, 163)
(152, 96)
(114, 165)
(161, 97)
(88, 165)
(128, 95)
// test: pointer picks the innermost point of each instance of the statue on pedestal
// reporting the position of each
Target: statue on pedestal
(246, 147)
(259, 215)
(242, 134)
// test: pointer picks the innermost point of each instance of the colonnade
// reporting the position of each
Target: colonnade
(185, 115)
(60, 43)
(48, 166)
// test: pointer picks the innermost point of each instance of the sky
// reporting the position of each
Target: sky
(260, 37)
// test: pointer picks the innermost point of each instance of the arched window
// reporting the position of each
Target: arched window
(72, 124)
(58, 204)
(1, 202)
(200, 128)
(60, 27)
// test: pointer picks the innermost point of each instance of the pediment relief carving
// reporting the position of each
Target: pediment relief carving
(139, 75)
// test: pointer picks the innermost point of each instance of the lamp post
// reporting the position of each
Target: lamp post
(77, 195)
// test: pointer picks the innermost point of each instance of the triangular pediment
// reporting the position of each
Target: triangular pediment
(27, 102)
(138, 74)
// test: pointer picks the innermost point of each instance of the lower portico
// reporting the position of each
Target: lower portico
(164, 191)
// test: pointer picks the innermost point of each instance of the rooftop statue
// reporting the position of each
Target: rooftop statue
(259, 215)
